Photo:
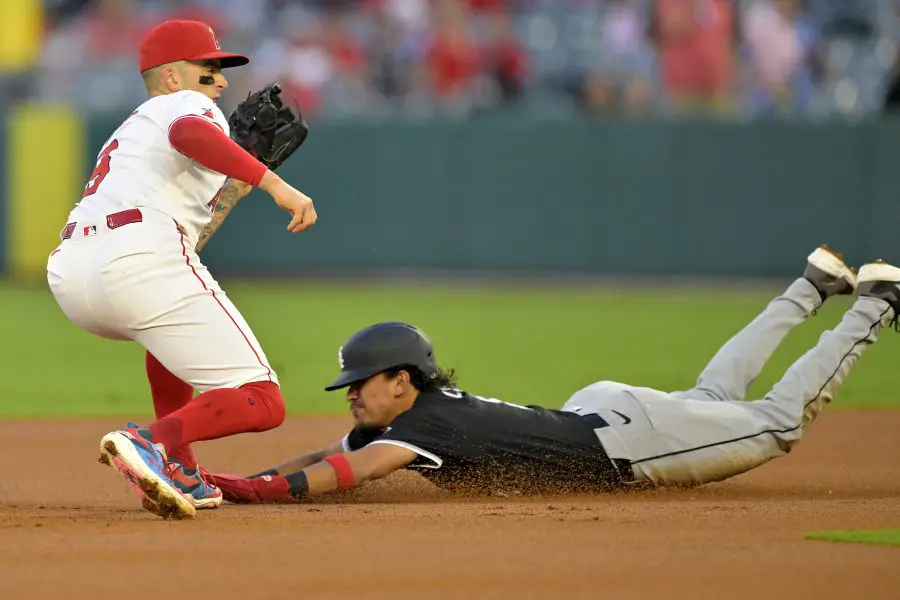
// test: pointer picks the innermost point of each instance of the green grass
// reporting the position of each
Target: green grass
(519, 343)
(884, 537)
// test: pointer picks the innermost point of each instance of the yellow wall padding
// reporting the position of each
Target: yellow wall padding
(45, 172)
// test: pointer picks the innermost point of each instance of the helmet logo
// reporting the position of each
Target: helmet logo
(341, 356)
(215, 41)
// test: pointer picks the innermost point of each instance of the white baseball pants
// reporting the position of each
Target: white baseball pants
(143, 281)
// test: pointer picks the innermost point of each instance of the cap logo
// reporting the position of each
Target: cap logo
(341, 356)
(215, 41)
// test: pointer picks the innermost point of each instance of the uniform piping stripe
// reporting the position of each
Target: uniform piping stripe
(438, 462)
(187, 261)
(773, 431)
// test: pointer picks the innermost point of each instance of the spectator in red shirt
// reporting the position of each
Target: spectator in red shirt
(487, 5)
(503, 56)
(452, 58)
(695, 40)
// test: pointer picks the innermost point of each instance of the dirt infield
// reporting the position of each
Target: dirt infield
(69, 525)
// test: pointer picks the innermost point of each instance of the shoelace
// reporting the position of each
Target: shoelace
(205, 476)
(895, 322)
(200, 473)
(171, 468)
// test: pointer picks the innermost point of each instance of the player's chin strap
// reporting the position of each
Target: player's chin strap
(206, 80)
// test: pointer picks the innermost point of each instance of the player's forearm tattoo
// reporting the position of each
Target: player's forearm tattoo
(230, 194)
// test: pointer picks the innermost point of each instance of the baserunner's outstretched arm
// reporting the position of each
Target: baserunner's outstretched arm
(338, 471)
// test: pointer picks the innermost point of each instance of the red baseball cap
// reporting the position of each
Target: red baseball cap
(176, 40)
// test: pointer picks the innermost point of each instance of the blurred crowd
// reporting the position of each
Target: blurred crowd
(418, 58)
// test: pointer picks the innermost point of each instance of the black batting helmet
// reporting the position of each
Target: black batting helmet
(381, 347)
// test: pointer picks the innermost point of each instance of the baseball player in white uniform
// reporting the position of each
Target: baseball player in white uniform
(127, 267)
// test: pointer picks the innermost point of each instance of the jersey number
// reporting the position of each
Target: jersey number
(101, 170)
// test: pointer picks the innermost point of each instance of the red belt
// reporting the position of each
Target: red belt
(113, 221)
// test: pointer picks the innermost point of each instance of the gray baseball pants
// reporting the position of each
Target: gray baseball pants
(710, 432)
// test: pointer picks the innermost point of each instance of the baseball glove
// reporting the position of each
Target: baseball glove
(266, 128)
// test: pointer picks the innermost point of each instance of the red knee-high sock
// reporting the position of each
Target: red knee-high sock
(219, 413)
(170, 394)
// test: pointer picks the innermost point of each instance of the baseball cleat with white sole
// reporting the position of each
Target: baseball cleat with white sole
(826, 270)
(132, 453)
(194, 484)
(881, 280)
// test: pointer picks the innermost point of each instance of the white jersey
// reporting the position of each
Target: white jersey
(139, 168)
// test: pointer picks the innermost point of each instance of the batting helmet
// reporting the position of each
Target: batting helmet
(381, 347)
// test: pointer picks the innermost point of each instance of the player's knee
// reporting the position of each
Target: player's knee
(268, 396)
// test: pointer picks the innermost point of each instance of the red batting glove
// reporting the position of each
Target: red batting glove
(261, 490)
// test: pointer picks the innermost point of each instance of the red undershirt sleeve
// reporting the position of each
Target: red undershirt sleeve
(205, 142)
